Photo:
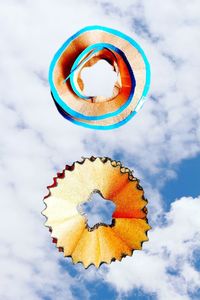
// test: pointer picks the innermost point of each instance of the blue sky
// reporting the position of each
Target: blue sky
(161, 144)
(187, 182)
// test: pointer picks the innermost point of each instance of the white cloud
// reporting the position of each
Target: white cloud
(166, 129)
(165, 267)
(36, 141)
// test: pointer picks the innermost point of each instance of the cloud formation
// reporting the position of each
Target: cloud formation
(166, 130)
(165, 267)
(36, 142)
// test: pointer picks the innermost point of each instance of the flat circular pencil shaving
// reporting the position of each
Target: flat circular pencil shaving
(102, 243)
(84, 49)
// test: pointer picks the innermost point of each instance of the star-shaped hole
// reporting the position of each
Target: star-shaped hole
(97, 210)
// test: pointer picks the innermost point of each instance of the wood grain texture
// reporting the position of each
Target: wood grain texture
(103, 243)
(98, 106)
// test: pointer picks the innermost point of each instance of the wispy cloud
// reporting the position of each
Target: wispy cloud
(36, 142)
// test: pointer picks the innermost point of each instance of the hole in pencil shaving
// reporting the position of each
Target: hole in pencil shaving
(99, 80)
(97, 210)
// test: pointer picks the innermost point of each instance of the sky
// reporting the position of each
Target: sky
(161, 144)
